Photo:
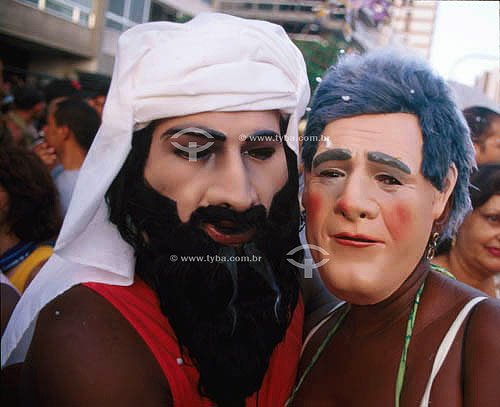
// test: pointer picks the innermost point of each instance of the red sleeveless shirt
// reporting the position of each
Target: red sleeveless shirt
(140, 306)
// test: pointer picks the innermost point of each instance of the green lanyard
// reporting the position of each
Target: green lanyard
(409, 331)
(402, 363)
(318, 353)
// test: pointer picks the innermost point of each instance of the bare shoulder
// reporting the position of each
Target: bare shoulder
(448, 296)
(84, 352)
(442, 301)
(444, 289)
(483, 331)
(8, 298)
(485, 323)
(482, 355)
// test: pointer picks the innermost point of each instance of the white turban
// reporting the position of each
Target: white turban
(215, 62)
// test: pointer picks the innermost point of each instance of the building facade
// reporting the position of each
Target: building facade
(58, 38)
(489, 83)
(61, 37)
(413, 21)
(371, 23)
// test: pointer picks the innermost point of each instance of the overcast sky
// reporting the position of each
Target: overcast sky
(466, 39)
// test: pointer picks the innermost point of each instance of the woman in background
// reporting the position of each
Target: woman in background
(473, 255)
(484, 125)
(29, 215)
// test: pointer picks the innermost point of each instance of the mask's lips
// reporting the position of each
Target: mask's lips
(356, 240)
(230, 227)
(495, 251)
(228, 232)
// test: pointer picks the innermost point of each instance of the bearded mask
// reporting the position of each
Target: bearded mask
(229, 313)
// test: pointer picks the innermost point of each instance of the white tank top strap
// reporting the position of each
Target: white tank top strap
(322, 322)
(446, 345)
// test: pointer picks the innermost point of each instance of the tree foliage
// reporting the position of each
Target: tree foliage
(322, 53)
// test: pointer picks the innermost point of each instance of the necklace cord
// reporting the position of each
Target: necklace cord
(318, 353)
(409, 331)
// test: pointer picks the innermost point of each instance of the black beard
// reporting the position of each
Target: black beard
(228, 316)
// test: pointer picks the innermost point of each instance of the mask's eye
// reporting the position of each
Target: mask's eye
(262, 153)
(193, 153)
(494, 219)
(388, 179)
(331, 173)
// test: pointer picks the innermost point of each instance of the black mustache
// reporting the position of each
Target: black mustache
(254, 217)
(159, 205)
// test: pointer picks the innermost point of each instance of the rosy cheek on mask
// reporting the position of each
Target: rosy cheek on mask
(397, 218)
(313, 203)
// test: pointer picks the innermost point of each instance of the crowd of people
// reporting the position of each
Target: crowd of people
(152, 253)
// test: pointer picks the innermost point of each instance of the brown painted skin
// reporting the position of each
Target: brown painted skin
(89, 355)
(359, 365)
(9, 298)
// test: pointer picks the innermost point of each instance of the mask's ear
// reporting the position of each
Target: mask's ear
(443, 201)
(440, 223)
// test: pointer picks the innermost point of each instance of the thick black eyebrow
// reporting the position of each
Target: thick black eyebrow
(386, 159)
(264, 135)
(336, 154)
(198, 131)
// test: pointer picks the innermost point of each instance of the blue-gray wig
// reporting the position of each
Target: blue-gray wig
(385, 81)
